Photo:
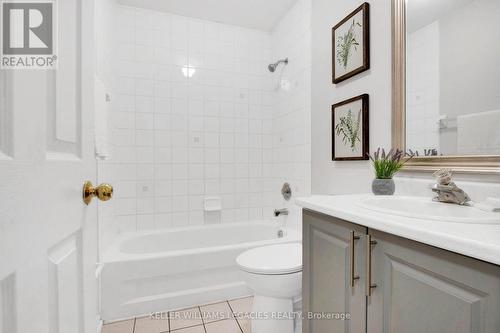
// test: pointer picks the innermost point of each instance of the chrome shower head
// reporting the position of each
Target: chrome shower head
(272, 67)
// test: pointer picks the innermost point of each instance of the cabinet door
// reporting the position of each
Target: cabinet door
(422, 289)
(326, 276)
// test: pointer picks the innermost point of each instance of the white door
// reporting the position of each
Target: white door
(48, 237)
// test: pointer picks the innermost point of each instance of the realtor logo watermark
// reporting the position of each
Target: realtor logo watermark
(29, 36)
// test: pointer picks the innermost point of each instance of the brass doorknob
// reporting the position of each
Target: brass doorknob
(103, 192)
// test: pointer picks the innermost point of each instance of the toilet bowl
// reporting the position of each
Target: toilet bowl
(274, 273)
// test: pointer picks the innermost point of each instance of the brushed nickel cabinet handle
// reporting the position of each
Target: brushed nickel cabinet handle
(369, 286)
(352, 275)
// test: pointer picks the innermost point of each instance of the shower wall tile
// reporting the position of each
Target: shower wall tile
(288, 143)
(192, 116)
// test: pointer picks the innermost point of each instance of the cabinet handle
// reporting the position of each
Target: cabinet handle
(353, 277)
(369, 285)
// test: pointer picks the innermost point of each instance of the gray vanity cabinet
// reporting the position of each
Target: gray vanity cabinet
(327, 275)
(416, 288)
(422, 289)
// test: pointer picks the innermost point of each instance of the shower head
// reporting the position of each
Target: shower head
(272, 67)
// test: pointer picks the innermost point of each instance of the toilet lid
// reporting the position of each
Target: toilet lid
(272, 260)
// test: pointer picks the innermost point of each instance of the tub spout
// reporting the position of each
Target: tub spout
(278, 212)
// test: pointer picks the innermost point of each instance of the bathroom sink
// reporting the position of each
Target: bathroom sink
(427, 209)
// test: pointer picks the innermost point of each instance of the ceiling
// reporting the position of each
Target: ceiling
(255, 14)
(424, 12)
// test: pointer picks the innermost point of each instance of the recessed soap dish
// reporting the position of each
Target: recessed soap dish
(213, 204)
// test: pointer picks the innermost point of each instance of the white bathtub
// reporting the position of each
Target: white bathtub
(177, 268)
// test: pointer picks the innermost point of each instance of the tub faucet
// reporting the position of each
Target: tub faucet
(278, 212)
(447, 191)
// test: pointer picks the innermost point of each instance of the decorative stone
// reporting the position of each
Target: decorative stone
(447, 191)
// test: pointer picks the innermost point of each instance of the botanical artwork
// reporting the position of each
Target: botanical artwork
(347, 44)
(350, 129)
(351, 45)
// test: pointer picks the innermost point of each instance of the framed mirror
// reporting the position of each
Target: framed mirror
(446, 84)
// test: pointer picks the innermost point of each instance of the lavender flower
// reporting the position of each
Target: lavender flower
(388, 164)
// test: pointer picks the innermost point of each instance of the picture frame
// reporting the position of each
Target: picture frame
(351, 129)
(351, 44)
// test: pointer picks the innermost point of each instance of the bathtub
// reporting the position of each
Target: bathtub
(164, 270)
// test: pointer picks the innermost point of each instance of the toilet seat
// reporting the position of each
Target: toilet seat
(277, 259)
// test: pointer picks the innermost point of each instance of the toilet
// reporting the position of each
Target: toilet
(274, 273)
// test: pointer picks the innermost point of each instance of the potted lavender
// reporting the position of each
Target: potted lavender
(386, 166)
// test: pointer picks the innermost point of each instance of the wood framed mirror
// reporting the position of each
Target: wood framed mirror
(446, 84)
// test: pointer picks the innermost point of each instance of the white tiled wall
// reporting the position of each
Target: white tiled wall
(291, 39)
(423, 89)
(177, 139)
(230, 130)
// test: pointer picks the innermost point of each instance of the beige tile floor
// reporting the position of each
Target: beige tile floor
(224, 317)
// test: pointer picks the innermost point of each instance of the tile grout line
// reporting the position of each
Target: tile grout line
(168, 319)
(191, 326)
(235, 317)
(202, 321)
(219, 319)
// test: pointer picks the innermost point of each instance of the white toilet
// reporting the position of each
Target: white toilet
(274, 273)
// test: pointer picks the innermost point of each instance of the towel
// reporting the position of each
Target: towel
(101, 120)
(478, 134)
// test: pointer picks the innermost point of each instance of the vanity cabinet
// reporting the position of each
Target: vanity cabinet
(328, 245)
(425, 289)
(416, 288)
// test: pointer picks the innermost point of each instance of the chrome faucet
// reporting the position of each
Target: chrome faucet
(447, 191)
(278, 212)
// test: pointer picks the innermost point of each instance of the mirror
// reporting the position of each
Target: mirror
(446, 77)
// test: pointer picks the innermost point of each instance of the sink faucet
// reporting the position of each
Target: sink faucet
(447, 191)
(278, 212)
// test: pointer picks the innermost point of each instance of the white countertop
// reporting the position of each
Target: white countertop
(480, 241)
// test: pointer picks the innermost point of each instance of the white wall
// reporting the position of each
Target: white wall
(470, 70)
(423, 90)
(291, 39)
(348, 177)
(355, 177)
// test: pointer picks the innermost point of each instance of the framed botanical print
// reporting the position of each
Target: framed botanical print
(351, 44)
(351, 129)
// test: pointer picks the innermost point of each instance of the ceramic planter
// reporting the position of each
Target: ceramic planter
(383, 186)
